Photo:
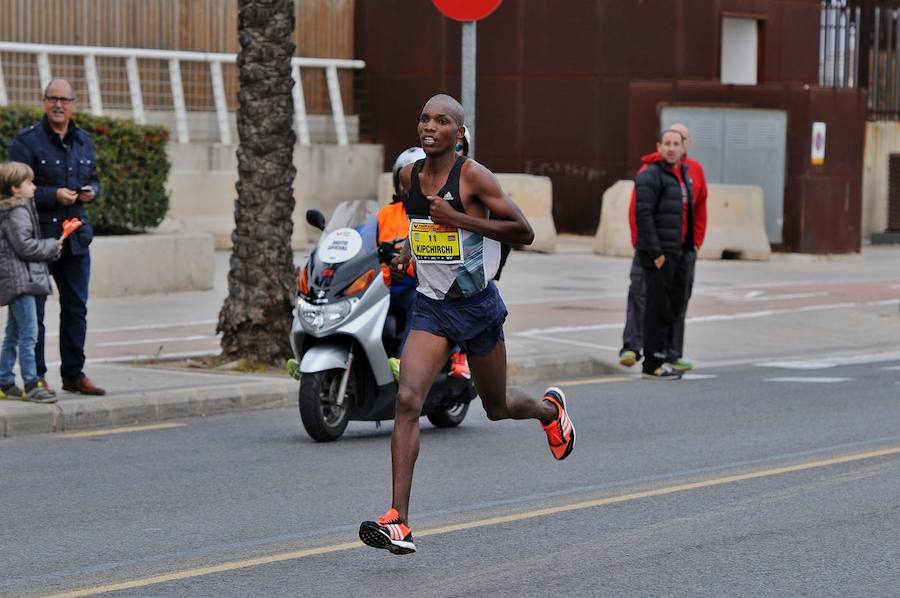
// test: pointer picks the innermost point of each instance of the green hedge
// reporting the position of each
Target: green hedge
(131, 163)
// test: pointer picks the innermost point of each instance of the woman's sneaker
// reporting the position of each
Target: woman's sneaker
(36, 393)
(560, 432)
(388, 532)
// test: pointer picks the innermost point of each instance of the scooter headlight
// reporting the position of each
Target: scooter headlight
(328, 315)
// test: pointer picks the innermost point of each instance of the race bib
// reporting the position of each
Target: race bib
(434, 243)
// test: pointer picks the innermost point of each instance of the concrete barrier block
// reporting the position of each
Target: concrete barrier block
(151, 263)
(735, 223)
(385, 188)
(614, 233)
(533, 194)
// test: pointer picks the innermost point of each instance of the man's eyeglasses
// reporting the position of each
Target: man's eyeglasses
(60, 99)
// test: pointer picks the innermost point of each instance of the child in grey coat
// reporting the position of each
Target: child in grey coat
(23, 275)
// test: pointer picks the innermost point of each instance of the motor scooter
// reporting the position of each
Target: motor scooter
(345, 329)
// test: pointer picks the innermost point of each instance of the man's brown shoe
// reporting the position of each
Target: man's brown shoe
(84, 386)
(47, 387)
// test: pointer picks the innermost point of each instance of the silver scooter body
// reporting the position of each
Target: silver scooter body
(344, 327)
(364, 324)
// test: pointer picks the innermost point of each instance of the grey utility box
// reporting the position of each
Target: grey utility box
(740, 147)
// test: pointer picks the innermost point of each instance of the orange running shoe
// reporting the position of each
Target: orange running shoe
(388, 532)
(560, 432)
(459, 365)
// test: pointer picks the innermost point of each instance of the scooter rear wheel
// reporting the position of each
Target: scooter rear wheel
(450, 417)
(323, 419)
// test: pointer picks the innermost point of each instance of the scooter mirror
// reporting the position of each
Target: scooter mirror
(316, 218)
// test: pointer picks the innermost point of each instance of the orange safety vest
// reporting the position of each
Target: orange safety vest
(393, 227)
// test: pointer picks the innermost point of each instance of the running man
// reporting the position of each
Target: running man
(457, 251)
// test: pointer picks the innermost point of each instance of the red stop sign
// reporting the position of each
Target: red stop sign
(467, 10)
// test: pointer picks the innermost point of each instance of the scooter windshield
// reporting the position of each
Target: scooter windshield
(351, 229)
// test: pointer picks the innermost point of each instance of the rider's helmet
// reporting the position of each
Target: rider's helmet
(463, 146)
(407, 156)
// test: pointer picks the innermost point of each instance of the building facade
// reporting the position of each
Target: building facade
(574, 90)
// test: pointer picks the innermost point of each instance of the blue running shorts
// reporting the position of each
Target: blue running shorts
(474, 323)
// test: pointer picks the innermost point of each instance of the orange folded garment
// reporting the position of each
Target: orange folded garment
(70, 226)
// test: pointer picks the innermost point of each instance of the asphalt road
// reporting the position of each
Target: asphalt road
(745, 480)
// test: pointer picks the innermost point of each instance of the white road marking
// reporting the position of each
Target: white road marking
(757, 296)
(820, 380)
(712, 318)
(147, 341)
(832, 361)
(798, 365)
(690, 376)
(891, 368)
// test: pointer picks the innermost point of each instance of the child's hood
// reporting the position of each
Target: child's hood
(8, 203)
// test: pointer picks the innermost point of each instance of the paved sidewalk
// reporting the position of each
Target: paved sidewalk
(566, 317)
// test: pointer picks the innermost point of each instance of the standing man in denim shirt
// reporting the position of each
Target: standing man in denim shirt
(62, 157)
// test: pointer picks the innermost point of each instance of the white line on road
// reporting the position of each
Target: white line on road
(713, 318)
(757, 296)
(698, 376)
(819, 380)
(167, 339)
(831, 362)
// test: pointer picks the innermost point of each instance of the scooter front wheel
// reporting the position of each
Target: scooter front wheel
(323, 418)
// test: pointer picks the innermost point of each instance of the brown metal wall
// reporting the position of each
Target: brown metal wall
(822, 204)
(555, 79)
(324, 29)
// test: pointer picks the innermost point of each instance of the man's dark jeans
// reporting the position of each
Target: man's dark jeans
(72, 274)
(665, 289)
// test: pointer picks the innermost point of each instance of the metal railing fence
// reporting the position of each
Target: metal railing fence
(101, 65)
(839, 44)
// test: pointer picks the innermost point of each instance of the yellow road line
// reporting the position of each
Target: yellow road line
(124, 430)
(576, 506)
(599, 380)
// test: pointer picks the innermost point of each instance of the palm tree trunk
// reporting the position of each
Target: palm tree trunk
(256, 317)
